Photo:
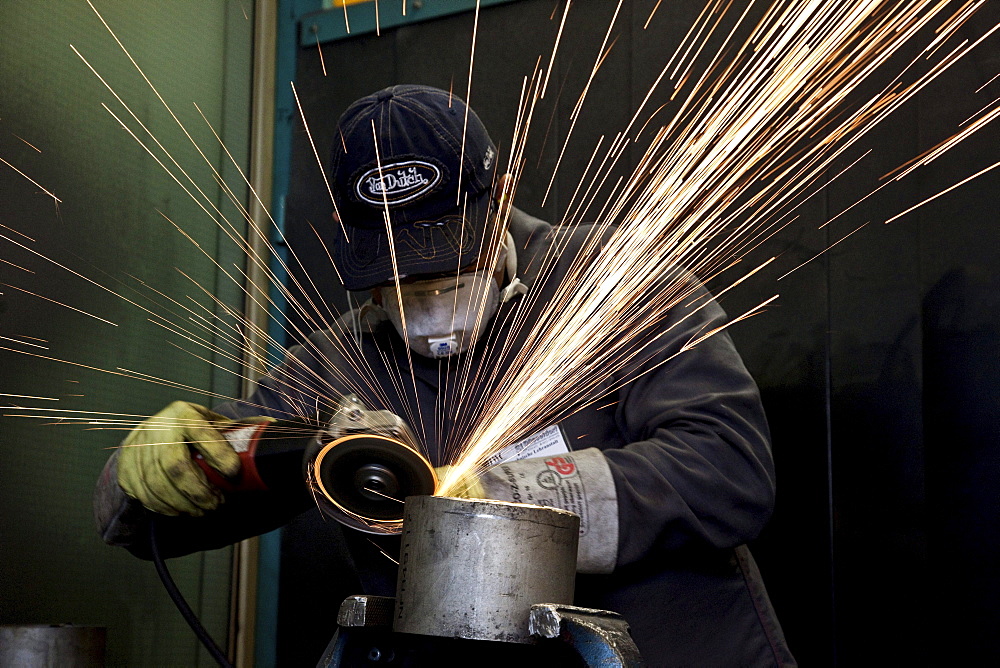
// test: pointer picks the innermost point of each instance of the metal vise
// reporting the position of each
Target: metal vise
(481, 579)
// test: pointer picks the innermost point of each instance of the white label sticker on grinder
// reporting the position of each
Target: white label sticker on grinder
(240, 438)
(547, 442)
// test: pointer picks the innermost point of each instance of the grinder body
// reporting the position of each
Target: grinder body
(270, 456)
(360, 466)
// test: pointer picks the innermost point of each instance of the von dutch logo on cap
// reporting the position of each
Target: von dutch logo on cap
(397, 182)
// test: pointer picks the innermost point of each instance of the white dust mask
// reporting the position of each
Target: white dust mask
(444, 316)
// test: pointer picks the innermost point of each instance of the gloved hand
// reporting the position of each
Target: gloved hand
(155, 465)
(469, 488)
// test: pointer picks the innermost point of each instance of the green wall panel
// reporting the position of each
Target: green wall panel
(108, 228)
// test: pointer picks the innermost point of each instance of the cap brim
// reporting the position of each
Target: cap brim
(446, 244)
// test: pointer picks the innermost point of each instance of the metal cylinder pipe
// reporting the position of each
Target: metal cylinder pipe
(472, 568)
(52, 645)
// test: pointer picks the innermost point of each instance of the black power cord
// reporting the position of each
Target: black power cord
(182, 605)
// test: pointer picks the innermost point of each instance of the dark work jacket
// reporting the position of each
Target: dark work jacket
(686, 441)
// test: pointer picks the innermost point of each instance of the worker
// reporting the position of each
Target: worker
(675, 467)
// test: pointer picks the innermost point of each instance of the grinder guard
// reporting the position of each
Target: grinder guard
(363, 465)
(361, 480)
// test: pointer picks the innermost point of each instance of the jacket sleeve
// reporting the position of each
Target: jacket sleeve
(697, 470)
(305, 386)
(693, 469)
(124, 522)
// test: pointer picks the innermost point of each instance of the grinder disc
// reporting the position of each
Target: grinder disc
(368, 477)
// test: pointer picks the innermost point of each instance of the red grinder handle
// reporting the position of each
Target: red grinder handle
(244, 439)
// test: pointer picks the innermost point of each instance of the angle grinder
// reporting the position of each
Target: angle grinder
(359, 467)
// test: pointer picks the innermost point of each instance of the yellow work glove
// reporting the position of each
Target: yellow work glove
(155, 465)
(470, 487)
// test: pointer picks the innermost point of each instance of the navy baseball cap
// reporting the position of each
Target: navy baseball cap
(400, 151)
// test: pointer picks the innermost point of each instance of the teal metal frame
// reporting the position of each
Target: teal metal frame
(305, 23)
(269, 545)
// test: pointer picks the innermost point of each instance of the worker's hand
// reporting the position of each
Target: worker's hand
(470, 487)
(155, 464)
